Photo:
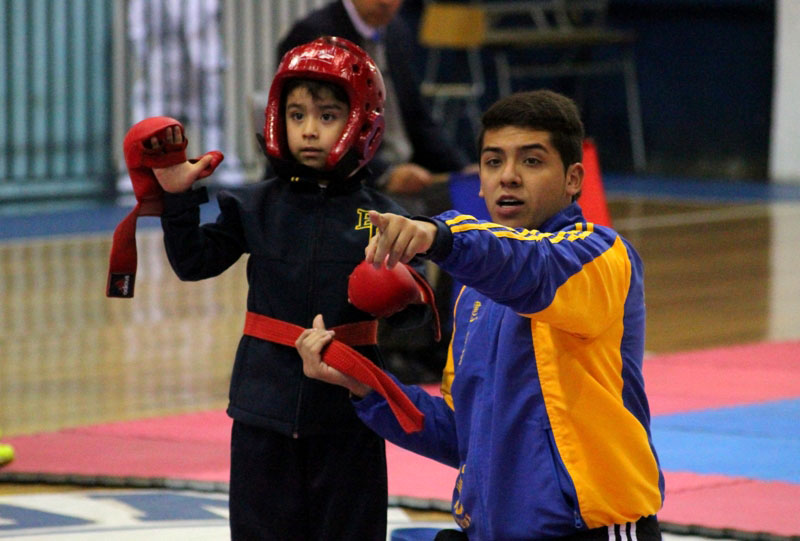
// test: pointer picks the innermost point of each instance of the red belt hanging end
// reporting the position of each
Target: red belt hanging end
(122, 263)
(348, 361)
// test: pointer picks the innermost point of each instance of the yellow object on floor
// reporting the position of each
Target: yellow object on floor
(6, 454)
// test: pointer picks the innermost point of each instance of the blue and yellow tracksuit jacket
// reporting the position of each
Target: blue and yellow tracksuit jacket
(544, 410)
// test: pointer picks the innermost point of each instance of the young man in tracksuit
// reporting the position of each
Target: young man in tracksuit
(544, 411)
(303, 466)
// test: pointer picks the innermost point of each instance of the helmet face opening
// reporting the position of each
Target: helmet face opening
(343, 63)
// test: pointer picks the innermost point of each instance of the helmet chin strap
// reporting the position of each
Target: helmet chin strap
(347, 167)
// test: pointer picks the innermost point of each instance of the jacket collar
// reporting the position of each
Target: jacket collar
(566, 217)
(309, 182)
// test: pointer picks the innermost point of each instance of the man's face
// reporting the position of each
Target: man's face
(377, 13)
(522, 177)
(313, 125)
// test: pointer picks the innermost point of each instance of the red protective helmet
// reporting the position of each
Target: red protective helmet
(344, 63)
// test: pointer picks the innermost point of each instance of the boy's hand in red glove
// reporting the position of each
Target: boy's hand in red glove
(180, 177)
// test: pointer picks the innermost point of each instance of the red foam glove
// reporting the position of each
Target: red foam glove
(382, 291)
(141, 158)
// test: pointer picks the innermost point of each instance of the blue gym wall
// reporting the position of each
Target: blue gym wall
(705, 71)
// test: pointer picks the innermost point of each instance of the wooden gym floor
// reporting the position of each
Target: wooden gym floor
(717, 273)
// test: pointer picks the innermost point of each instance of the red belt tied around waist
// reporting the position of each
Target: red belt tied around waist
(344, 358)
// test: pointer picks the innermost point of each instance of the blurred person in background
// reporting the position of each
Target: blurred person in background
(179, 61)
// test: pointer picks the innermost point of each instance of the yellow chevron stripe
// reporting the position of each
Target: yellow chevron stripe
(524, 235)
(483, 226)
(460, 218)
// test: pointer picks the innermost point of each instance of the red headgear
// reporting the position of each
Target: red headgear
(344, 63)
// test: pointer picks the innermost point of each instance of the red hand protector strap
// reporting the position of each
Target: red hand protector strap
(382, 292)
(344, 358)
(141, 158)
(427, 297)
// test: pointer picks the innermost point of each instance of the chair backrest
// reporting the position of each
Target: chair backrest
(452, 26)
(552, 15)
(586, 13)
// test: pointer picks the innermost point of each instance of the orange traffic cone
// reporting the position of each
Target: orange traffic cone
(593, 196)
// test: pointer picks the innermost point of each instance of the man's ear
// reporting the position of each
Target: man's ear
(574, 179)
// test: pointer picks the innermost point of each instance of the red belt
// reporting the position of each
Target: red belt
(344, 358)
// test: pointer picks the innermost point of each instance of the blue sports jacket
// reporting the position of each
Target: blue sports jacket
(543, 408)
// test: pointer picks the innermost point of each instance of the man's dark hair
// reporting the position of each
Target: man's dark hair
(540, 110)
(315, 87)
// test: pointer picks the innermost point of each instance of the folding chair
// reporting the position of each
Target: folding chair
(566, 27)
(453, 32)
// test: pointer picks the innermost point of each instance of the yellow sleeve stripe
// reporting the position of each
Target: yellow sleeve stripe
(489, 225)
(461, 218)
(485, 226)
(524, 235)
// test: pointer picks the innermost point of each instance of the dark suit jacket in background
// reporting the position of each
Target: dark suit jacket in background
(430, 149)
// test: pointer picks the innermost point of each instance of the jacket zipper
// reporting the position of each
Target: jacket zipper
(317, 229)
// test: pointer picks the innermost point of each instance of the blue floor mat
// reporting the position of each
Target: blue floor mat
(759, 441)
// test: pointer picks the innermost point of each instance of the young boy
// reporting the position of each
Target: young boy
(303, 466)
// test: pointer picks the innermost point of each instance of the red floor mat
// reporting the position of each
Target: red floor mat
(191, 447)
(717, 502)
(731, 376)
(194, 447)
